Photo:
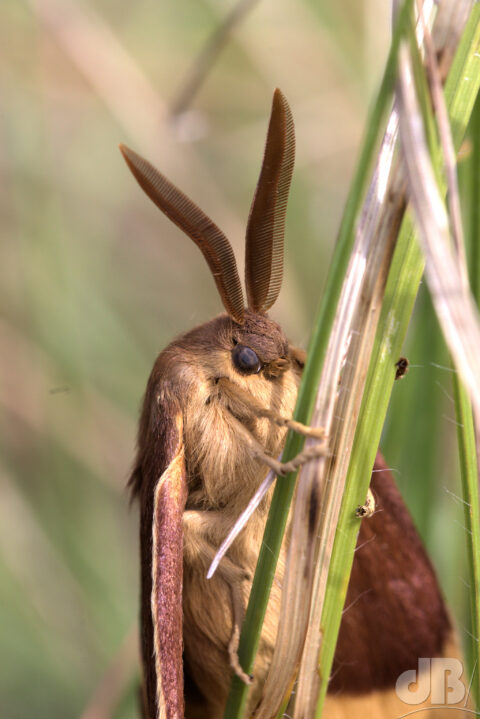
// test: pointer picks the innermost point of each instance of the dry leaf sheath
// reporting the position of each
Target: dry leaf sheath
(214, 419)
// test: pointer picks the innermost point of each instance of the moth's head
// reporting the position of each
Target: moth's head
(255, 355)
(264, 236)
(259, 347)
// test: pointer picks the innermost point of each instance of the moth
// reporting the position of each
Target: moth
(216, 410)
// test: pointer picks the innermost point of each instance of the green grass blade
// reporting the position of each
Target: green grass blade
(474, 226)
(401, 290)
(469, 475)
(419, 431)
(465, 423)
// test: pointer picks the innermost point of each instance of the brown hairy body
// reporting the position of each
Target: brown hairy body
(221, 476)
(395, 612)
(214, 419)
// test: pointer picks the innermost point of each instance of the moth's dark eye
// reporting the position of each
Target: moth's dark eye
(246, 360)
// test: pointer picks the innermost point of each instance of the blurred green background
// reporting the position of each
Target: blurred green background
(94, 282)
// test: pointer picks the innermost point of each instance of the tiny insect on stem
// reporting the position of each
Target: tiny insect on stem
(402, 367)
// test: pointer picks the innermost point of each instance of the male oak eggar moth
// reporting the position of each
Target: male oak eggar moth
(214, 415)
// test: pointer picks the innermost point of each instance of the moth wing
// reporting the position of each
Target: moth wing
(394, 614)
(160, 481)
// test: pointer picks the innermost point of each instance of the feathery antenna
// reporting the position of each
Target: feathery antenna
(197, 225)
(266, 223)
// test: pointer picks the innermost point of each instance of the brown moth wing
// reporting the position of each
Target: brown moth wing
(160, 481)
(394, 613)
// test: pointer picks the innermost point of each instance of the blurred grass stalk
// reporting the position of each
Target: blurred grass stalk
(329, 491)
(447, 276)
(438, 228)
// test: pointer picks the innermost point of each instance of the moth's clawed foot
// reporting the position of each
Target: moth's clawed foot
(305, 430)
(233, 656)
(281, 469)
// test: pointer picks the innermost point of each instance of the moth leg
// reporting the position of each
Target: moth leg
(283, 468)
(244, 406)
(198, 546)
(237, 616)
(280, 468)
(303, 429)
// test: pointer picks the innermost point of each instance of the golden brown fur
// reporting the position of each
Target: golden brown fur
(222, 474)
